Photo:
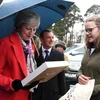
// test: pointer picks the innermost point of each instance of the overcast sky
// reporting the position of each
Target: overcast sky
(85, 4)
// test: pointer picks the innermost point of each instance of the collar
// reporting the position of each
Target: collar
(43, 49)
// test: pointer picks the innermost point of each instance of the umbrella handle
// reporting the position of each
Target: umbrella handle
(35, 47)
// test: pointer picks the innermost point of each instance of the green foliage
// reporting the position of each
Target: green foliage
(65, 25)
(93, 10)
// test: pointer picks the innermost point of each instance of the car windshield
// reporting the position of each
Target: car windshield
(70, 48)
(80, 50)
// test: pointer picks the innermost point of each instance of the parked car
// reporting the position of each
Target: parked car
(75, 54)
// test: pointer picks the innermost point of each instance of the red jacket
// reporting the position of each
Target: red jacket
(12, 66)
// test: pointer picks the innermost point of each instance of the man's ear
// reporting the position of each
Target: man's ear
(41, 40)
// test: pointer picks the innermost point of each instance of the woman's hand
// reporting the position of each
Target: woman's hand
(83, 79)
(17, 85)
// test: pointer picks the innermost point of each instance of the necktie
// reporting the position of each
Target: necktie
(46, 51)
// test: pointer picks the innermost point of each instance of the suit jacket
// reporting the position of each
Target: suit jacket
(55, 87)
(12, 66)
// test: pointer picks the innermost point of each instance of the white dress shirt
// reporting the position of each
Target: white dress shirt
(43, 51)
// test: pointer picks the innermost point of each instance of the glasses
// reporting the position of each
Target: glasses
(89, 30)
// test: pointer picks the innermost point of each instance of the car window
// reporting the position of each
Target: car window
(80, 50)
(70, 48)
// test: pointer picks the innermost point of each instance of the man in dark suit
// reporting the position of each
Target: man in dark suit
(56, 87)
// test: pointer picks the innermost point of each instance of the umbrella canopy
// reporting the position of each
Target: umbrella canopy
(9, 7)
(1, 1)
(49, 11)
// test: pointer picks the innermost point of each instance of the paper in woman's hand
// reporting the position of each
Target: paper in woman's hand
(80, 92)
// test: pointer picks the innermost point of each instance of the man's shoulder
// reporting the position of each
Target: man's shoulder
(58, 52)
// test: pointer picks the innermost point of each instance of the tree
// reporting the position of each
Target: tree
(93, 10)
(71, 18)
(58, 29)
(66, 25)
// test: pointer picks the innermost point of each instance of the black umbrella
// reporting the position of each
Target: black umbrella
(50, 11)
